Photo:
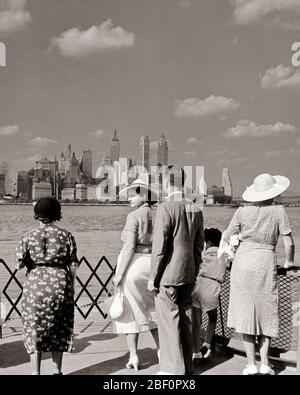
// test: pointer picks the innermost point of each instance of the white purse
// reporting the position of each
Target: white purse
(117, 307)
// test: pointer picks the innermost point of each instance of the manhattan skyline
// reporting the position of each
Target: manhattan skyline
(215, 77)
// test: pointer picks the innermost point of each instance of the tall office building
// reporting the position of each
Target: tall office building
(2, 185)
(67, 151)
(145, 152)
(115, 148)
(74, 168)
(226, 182)
(22, 180)
(4, 170)
(202, 187)
(87, 165)
(163, 151)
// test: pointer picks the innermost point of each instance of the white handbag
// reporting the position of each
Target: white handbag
(117, 307)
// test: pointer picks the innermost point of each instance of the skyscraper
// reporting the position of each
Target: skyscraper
(87, 166)
(115, 148)
(68, 152)
(74, 169)
(163, 151)
(226, 182)
(4, 170)
(145, 152)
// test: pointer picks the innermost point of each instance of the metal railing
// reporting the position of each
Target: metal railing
(288, 284)
(94, 302)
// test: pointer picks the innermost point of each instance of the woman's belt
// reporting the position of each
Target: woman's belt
(143, 249)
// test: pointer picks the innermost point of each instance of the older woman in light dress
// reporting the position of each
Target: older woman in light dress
(253, 305)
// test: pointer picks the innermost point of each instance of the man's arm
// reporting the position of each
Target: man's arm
(161, 234)
(199, 244)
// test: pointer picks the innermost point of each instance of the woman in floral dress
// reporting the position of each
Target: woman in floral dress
(50, 255)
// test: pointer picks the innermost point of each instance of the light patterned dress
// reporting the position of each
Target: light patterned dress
(48, 296)
(253, 304)
(139, 309)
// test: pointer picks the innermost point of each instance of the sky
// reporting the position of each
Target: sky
(216, 77)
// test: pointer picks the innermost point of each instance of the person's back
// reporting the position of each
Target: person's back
(260, 224)
(185, 241)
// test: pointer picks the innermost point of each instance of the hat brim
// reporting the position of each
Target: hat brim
(125, 190)
(281, 185)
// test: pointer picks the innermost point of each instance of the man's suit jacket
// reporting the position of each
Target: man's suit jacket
(178, 241)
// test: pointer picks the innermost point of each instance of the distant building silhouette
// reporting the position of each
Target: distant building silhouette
(162, 151)
(87, 166)
(145, 152)
(115, 148)
(226, 183)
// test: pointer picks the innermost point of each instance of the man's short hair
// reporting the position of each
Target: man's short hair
(177, 176)
(213, 235)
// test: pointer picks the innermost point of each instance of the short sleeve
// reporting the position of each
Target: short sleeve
(284, 223)
(73, 249)
(21, 253)
(234, 226)
(131, 226)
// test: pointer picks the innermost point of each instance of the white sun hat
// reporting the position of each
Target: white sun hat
(265, 187)
(139, 185)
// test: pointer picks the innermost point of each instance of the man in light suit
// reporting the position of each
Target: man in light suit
(178, 240)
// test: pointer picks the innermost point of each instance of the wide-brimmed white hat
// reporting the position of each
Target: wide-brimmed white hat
(142, 185)
(265, 187)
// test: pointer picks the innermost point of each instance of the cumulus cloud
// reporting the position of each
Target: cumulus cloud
(10, 130)
(13, 16)
(285, 152)
(195, 107)
(246, 128)
(99, 133)
(283, 12)
(76, 42)
(42, 141)
(193, 141)
(281, 77)
(184, 3)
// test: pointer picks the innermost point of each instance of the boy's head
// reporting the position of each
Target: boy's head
(212, 237)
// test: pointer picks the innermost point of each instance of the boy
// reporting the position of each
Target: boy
(206, 293)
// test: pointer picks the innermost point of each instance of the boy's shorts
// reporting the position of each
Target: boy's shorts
(206, 294)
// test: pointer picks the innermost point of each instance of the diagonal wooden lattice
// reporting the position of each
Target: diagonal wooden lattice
(94, 302)
(103, 286)
(12, 279)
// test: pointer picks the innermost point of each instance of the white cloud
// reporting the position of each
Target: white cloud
(281, 77)
(222, 153)
(42, 141)
(282, 153)
(298, 141)
(195, 107)
(13, 16)
(75, 42)
(282, 12)
(246, 128)
(184, 3)
(10, 130)
(193, 141)
(231, 161)
(99, 133)
(190, 153)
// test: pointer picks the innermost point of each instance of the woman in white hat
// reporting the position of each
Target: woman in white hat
(253, 304)
(133, 270)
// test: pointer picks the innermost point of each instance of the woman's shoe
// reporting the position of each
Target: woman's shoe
(133, 363)
(266, 369)
(250, 370)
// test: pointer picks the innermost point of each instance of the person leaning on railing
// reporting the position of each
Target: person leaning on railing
(253, 303)
(50, 255)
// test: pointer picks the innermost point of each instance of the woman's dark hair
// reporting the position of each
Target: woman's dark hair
(47, 210)
(213, 235)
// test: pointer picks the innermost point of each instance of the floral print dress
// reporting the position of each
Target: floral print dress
(48, 296)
